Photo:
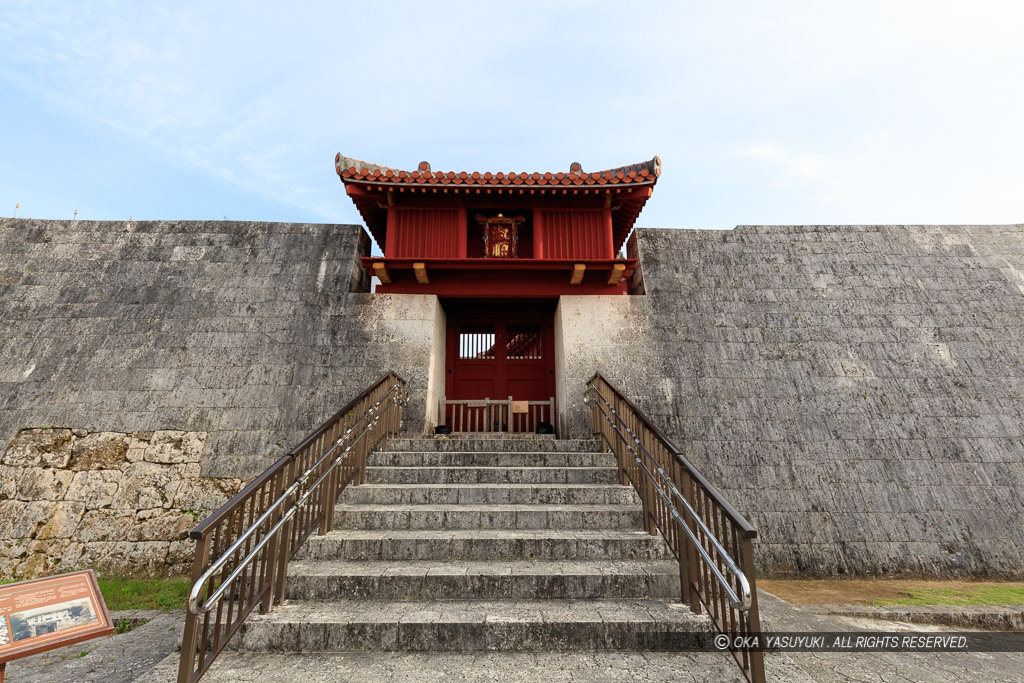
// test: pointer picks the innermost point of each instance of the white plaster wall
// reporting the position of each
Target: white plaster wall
(560, 394)
(607, 334)
(409, 329)
(436, 373)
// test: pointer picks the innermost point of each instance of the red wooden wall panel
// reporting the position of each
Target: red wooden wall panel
(574, 234)
(425, 233)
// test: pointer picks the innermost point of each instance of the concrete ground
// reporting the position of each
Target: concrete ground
(119, 658)
(148, 654)
(883, 667)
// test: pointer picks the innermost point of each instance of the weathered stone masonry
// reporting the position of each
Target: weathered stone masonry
(249, 334)
(72, 499)
(856, 391)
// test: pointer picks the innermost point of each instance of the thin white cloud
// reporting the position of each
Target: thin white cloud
(883, 109)
(805, 168)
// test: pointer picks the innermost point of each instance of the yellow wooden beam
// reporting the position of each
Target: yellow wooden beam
(381, 272)
(420, 269)
(577, 273)
(618, 270)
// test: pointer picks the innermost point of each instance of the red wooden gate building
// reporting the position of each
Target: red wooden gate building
(499, 249)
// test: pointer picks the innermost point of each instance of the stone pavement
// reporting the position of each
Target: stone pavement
(796, 667)
(554, 667)
(136, 656)
(831, 667)
(119, 658)
(984, 617)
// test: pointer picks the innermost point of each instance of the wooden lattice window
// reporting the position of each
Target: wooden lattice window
(523, 342)
(476, 341)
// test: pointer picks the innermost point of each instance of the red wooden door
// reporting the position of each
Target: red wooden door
(496, 352)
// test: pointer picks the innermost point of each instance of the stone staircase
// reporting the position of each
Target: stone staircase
(510, 544)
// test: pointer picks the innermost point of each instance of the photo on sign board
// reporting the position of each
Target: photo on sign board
(5, 637)
(52, 618)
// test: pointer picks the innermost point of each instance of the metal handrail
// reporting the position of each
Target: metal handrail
(712, 542)
(224, 509)
(740, 602)
(270, 518)
(748, 530)
(243, 564)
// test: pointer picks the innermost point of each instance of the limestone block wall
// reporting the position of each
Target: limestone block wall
(606, 334)
(73, 499)
(253, 333)
(856, 391)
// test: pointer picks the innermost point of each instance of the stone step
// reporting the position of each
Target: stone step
(491, 475)
(477, 667)
(465, 625)
(485, 544)
(487, 517)
(462, 580)
(489, 494)
(495, 444)
(486, 459)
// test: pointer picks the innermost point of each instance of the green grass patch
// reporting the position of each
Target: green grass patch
(895, 591)
(162, 594)
(981, 594)
(123, 594)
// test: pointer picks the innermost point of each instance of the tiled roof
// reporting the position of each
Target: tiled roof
(374, 189)
(353, 170)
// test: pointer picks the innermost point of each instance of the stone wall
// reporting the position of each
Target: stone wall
(857, 392)
(606, 334)
(73, 499)
(253, 333)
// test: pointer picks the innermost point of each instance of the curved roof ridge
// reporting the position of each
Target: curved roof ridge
(343, 162)
(353, 170)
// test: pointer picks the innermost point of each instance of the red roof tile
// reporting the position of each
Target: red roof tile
(355, 171)
(623, 188)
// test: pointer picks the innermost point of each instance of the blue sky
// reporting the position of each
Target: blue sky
(762, 113)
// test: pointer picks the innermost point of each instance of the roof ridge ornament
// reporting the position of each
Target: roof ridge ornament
(355, 171)
(376, 190)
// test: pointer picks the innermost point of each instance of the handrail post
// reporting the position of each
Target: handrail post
(686, 595)
(190, 638)
(711, 540)
(284, 550)
(696, 576)
(243, 549)
(328, 498)
(644, 452)
(272, 555)
(612, 438)
(757, 672)
(394, 413)
(640, 482)
(360, 461)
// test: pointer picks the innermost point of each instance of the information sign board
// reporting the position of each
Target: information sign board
(44, 614)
